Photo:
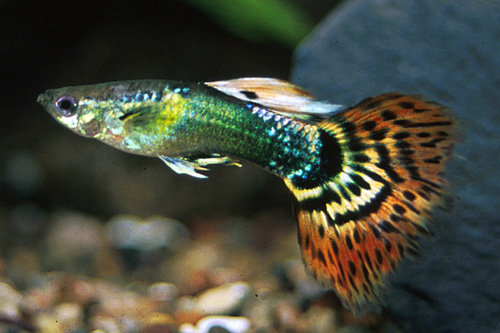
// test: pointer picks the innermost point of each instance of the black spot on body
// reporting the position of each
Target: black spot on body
(356, 236)
(386, 226)
(388, 245)
(365, 287)
(341, 269)
(428, 189)
(424, 195)
(388, 115)
(348, 242)
(402, 144)
(308, 241)
(335, 247)
(428, 145)
(401, 135)
(354, 189)
(412, 208)
(249, 94)
(406, 105)
(352, 284)
(344, 193)
(378, 254)
(332, 196)
(433, 160)
(314, 254)
(431, 124)
(421, 229)
(368, 261)
(361, 158)
(352, 268)
(401, 250)
(379, 135)
(399, 209)
(402, 122)
(321, 257)
(330, 257)
(321, 231)
(409, 196)
(423, 134)
(348, 127)
(395, 218)
(420, 110)
(360, 182)
(369, 125)
(375, 231)
(355, 145)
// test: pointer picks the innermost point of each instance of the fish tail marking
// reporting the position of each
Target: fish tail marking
(357, 223)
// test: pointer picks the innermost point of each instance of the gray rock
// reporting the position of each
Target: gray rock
(448, 51)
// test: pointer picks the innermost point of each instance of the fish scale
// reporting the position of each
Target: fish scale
(364, 180)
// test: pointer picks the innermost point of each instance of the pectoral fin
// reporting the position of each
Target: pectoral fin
(182, 166)
(190, 165)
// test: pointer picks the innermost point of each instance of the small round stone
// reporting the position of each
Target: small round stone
(162, 291)
(222, 300)
(223, 323)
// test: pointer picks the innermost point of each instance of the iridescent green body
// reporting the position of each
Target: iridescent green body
(190, 121)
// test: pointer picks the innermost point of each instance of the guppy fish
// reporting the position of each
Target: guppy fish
(363, 179)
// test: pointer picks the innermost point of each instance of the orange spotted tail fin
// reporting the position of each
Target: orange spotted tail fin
(359, 221)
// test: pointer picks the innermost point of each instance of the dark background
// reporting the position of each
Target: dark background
(57, 43)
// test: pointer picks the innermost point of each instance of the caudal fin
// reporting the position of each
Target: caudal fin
(356, 225)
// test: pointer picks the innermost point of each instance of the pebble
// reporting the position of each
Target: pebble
(153, 233)
(158, 322)
(10, 300)
(163, 292)
(287, 316)
(222, 300)
(321, 319)
(70, 315)
(190, 269)
(273, 311)
(302, 282)
(105, 323)
(222, 324)
(48, 323)
(73, 239)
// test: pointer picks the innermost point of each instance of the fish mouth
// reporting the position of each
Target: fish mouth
(41, 98)
(45, 98)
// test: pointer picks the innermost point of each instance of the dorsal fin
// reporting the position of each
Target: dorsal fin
(280, 96)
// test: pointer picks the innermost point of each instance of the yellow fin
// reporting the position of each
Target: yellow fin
(280, 96)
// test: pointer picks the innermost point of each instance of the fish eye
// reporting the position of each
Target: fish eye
(67, 105)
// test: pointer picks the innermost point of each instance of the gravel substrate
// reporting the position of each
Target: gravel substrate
(154, 275)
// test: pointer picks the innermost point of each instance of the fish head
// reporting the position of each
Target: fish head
(133, 116)
(75, 109)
